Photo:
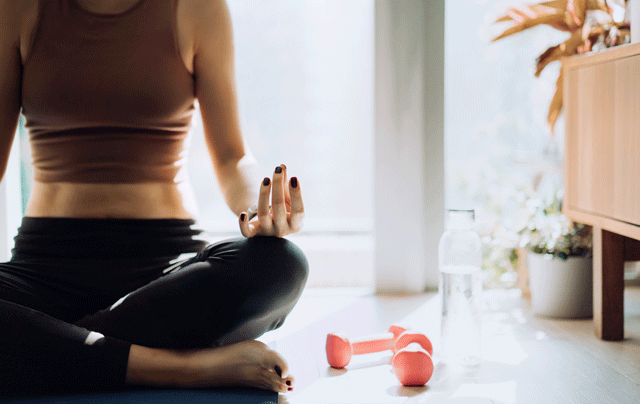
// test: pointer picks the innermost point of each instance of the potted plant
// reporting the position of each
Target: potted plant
(558, 259)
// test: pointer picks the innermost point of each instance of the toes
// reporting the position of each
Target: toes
(279, 364)
(276, 383)
(290, 382)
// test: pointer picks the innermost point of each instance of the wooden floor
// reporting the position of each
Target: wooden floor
(526, 359)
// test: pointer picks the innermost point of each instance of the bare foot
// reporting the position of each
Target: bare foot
(247, 363)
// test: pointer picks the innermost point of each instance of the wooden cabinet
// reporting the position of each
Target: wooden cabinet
(602, 168)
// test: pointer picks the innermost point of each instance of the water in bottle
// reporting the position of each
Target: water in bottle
(460, 260)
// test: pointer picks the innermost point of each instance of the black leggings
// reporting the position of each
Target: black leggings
(77, 293)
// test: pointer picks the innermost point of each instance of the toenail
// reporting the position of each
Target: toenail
(288, 382)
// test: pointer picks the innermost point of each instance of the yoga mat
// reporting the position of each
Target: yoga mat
(229, 395)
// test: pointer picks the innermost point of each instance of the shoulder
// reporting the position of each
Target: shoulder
(205, 18)
(10, 20)
(17, 12)
(201, 10)
(17, 18)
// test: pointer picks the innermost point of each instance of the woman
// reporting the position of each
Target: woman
(97, 294)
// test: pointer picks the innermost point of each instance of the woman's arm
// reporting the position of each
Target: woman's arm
(237, 171)
(10, 77)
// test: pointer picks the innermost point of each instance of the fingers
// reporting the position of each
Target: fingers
(264, 216)
(286, 213)
(296, 216)
(287, 193)
(244, 225)
(247, 229)
(278, 207)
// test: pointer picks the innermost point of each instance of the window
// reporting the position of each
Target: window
(11, 209)
(496, 139)
(304, 72)
(305, 86)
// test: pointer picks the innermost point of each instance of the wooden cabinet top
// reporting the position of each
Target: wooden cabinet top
(610, 54)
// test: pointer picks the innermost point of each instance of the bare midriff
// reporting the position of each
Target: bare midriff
(153, 200)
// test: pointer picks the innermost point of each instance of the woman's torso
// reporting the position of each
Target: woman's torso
(113, 200)
(134, 201)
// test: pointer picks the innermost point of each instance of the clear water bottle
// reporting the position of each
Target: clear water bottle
(460, 284)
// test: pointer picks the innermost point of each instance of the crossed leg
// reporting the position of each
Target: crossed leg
(226, 296)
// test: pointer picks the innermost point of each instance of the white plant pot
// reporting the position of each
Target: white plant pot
(561, 288)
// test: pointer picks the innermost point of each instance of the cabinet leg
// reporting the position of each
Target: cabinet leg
(608, 284)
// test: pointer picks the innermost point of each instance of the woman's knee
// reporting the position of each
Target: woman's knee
(278, 262)
(262, 263)
(279, 271)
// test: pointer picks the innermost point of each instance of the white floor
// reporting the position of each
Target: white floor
(526, 359)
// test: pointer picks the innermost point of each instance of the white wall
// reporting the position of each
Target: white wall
(409, 143)
(10, 202)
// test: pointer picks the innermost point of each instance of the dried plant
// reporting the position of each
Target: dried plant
(590, 25)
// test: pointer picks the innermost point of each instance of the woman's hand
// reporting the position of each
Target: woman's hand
(286, 213)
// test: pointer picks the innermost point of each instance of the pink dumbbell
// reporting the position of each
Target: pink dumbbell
(412, 365)
(412, 362)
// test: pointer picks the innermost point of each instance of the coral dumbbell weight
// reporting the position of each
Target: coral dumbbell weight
(411, 362)
(340, 349)
(412, 365)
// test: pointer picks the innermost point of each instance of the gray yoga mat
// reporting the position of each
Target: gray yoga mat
(161, 396)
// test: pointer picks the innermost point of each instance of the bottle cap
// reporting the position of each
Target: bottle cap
(460, 219)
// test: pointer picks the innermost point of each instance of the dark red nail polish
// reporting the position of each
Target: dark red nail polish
(290, 388)
(278, 170)
(294, 182)
(288, 382)
(242, 217)
(266, 181)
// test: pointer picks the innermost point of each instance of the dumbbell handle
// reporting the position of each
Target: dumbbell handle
(373, 343)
